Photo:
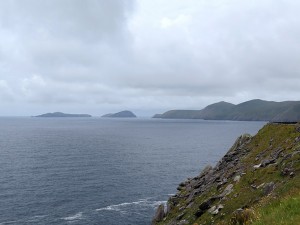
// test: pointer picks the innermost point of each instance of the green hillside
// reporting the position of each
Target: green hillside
(256, 182)
(254, 110)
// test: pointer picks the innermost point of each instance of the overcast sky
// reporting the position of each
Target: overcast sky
(148, 56)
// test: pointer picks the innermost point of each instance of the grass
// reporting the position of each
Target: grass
(281, 207)
(283, 211)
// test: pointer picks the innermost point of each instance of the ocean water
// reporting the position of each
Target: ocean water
(102, 171)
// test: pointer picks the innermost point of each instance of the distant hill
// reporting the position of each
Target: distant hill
(122, 114)
(253, 110)
(60, 114)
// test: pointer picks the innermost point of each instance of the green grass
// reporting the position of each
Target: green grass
(285, 211)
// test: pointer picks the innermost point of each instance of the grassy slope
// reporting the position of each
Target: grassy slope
(282, 206)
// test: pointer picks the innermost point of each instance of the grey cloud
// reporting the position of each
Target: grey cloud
(147, 54)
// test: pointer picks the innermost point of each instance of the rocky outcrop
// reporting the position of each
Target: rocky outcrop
(246, 173)
(160, 214)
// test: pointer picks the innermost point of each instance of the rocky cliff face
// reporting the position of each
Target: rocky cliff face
(256, 172)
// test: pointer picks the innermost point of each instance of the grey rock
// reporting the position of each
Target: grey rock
(268, 188)
(183, 222)
(208, 169)
(227, 190)
(159, 215)
(180, 216)
(298, 127)
(237, 178)
(286, 171)
(260, 186)
(267, 162)
(257, 166)
(215, 209)
(204, 206)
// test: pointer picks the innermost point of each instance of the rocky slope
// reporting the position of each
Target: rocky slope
(256, 182)
(256, 109)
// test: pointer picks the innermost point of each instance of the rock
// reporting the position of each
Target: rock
(266, 162)
(206, 170)
(199, 213)
(159, 215)
(286, 171)
(298, 127)
(204, 206)
(296, 153)
(257, 166)
(215, 209)
(190, 205)
(269, 187)
(212, 209)
(183, 222)
(180, 216)
(169, 207)
(237, 178)
(227, 190)
(260, 186)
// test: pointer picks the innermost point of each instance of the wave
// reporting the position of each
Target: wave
(123, 207)
(77, 216)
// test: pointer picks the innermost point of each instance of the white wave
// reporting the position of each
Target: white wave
(141, 202)
(77, 216)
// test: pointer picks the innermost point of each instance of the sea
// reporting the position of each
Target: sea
(102, 171)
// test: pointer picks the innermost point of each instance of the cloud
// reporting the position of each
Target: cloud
(6, 94)
(180, 20)
(152, 55)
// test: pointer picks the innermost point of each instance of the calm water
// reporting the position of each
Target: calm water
(102, 171)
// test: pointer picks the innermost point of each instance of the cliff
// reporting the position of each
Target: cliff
(256, 182)
(253, 110)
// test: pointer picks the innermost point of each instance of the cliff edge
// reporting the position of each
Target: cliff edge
(256, 182)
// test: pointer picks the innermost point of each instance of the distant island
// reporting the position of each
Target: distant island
(60, 114)
(122, 114)
(253, 110)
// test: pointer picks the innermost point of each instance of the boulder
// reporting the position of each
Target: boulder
(159, 215)
(227, 190)
(268, 188)
(237, 178)
(215, 209)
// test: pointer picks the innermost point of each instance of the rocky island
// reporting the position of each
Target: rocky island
(256, 182)
(122, 114)
(60, 114)
(253, 110)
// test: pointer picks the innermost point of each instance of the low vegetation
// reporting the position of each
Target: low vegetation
(256, 182)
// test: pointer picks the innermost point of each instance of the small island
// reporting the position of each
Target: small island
(60, 114)
(122, 114)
